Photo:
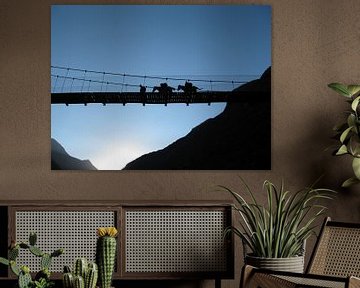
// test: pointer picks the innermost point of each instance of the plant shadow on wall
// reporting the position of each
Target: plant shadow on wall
(348, 132)
(279, 229)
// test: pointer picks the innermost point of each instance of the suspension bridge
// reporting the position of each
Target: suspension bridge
(80, 86)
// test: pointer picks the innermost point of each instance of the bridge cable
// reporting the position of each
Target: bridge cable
(82, 86)
(72, 82)
(62, 87)
(153, 77)
(57, 76)
(102, 82)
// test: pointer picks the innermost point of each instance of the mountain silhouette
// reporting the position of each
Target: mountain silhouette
(61, 160)
(239, 138)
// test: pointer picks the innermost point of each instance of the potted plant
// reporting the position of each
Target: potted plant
(42, 278)
(348, 133)
(276, 233)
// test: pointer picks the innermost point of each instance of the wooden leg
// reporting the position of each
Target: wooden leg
(354, 282)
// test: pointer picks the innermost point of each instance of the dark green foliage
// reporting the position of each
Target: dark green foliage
(42, 283)
(32, 239)
(24, 245)
(44, 273)
(57, 252)
(67, 269)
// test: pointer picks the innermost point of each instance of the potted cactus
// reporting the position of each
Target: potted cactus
(42, 278)
(106, 254)
(85, 275)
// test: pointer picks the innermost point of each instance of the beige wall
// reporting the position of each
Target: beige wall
(315, 42)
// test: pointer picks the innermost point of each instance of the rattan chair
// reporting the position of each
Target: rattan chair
(335, 262)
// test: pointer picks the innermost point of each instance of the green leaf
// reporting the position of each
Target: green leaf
(355, 103)
(14, 268)
(353, 89)
(340, 88)
(342, 150)
(354, 145)
(351, 120)
(345, 134)
(356, 167)
(349, 182)
(4, 261)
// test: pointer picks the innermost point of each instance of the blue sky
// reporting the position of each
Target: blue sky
(212, 42)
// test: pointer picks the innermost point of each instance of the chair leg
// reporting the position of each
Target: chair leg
(354, 282)
(246, 273)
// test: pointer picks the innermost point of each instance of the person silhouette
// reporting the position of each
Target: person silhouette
(143, 94)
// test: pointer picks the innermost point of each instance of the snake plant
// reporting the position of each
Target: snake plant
(279, 228)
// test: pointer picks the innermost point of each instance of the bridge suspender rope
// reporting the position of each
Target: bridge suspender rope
(164, 95)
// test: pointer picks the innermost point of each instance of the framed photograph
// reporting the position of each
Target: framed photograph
(160, 87)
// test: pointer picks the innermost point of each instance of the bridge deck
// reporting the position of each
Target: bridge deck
(155, 97)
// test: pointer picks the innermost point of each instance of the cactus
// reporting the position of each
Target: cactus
(42, 278)
(105, 254)
(44, 273)
(32, 239)
(24, 277)
(36, 251)
(88, 273)
(68, 280)
(45, 261)
(91, 276)
(81, 265)
(57, 252)
(79, 282)
(13, 253)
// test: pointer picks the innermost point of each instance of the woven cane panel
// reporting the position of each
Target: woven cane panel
(338, 253)
(175, 241)
(306, 282)
(74, 231)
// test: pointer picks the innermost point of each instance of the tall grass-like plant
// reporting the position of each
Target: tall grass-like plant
(279, 229)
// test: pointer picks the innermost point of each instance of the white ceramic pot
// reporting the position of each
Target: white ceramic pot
(291, 264)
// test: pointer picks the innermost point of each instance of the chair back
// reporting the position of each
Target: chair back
(337, 251)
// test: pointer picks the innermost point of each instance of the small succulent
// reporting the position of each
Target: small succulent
(84, 275)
